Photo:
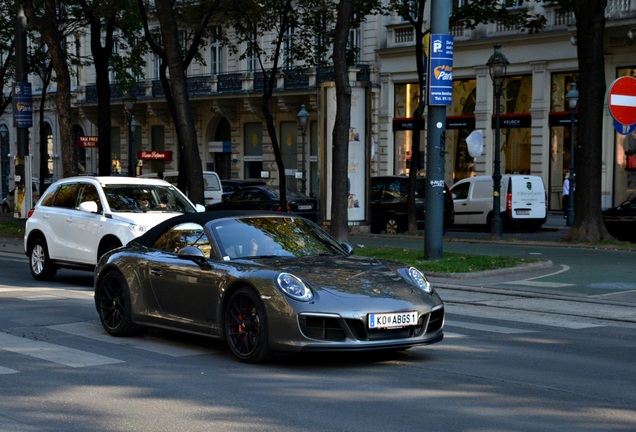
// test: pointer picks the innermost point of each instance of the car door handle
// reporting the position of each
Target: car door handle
(156, 272)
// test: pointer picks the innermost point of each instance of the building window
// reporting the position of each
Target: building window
(516, 140)
(560, 137)
(289, 150)
(158, 143)
(115, 150)
(288, 56)
(156, 67)
(406, 101)
(460, 123)
(216, 52)
(253, 150)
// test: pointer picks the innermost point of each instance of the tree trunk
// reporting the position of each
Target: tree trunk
(185, 124)
(340, 155)
(49, 28)
(590, 22)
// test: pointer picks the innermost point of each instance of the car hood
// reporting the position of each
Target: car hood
(148, 219)
(351, 276)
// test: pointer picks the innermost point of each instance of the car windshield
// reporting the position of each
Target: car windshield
(144, 198)
(266, 236)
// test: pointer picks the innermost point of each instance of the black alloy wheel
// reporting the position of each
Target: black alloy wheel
(112, 299)
(246, 327)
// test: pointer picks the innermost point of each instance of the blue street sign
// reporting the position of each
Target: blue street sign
(624, 129)
(22, 105)
(440, 76)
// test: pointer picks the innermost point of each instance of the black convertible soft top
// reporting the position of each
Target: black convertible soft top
(151, 236)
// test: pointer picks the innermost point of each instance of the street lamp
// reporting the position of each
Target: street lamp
(497, 65)
(303, 118)
(129, 108)
(572, 98)
(4, 162)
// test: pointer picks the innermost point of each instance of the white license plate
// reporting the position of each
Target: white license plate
(391, 320)
(522, 212)
(305, 207)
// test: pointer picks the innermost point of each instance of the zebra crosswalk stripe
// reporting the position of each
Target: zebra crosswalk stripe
(54, 353)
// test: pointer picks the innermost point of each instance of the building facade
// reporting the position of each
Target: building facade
(233, 141)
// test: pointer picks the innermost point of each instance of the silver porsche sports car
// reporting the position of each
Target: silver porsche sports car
(267, 283)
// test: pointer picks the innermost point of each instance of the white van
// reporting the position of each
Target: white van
(212, 188)
(523, 201)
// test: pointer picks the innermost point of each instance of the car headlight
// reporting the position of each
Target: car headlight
(138, 230)
(294, 287)
(420, 280)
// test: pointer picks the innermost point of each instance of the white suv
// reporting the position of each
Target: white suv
(78, 219)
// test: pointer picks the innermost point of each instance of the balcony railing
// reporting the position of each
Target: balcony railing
(292, 79)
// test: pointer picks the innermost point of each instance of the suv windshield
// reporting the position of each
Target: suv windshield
(143, 198)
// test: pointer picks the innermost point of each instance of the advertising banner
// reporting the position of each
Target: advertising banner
(22, 105)
(441, 70)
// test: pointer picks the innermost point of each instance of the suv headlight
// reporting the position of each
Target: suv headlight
(294, 287)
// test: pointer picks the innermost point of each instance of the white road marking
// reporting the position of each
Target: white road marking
(486, 327)
(159, 346)
(534, 283)
(41, 297)
(7, 371)
(528, 317)
(538, 284)
(54, 353)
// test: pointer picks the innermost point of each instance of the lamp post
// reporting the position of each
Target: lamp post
(572, 98)
(4, 151)
(303, 118)
(497, 65)
(129, 108)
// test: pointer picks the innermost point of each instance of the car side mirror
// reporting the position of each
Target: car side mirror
(193, 253)
(347, 247)
(200, 208)
(89, 207)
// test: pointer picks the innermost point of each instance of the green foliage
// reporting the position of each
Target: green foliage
(450, 263)
(11, 228)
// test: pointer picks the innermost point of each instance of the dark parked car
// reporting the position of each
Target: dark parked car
(620, 221)
(268, 198)
(264, 282)
(231, 186)
(389, 206)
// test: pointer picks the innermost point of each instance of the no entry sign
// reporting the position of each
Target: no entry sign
(621, 100)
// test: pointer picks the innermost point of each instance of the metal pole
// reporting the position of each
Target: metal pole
(22, 133)
(303, 181)
(131, 137)
(496, 226)
(435, 153)
(570, 214)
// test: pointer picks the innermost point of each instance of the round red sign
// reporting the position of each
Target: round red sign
(621, 100)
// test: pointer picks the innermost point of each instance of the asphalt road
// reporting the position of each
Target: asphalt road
(500, 368)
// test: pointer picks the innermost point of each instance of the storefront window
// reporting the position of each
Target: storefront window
(289, 134)
(625, 158)
(515, 129)
(253, 150)
(406, 101)
(460, 122)
(560, 137)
